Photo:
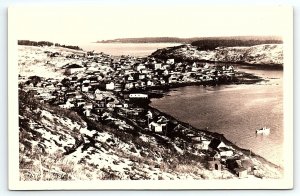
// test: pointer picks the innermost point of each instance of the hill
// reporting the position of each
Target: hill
(213, 43)
(203, 42)
(266, 54)
(58, 144)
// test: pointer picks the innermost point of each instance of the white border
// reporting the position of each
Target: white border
(15, 184)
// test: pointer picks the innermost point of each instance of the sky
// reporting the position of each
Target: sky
(83, 24)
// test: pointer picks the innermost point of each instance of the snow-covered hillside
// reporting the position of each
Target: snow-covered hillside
(267, 54)
(56, 144)
(34, 60)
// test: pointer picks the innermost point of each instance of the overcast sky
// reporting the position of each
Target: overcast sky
(71, 25)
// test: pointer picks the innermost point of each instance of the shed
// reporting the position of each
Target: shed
(241, 172)
(214, 165)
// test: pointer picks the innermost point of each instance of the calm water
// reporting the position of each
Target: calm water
(235, 111)
(133, 49)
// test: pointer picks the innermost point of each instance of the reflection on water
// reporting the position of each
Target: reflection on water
(235, 111)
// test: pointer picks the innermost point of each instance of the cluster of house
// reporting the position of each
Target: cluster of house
(94, 75)
(96, 83)
(225, 156)
(126, 73)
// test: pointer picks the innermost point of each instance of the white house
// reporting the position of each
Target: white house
(110, 86)
(67, 105)
(84, 88)
(73, 68)
(138, 96)
(87, 112)
(140, 67)
(157, 127)
(157, 66)
(149, 83)
(225, 152)
(170, 61)
(88, 106)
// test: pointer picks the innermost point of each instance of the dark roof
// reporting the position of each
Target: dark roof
(214, 143)
(73, 66)
(247, 163)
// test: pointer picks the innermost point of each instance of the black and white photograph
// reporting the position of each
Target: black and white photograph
(163, 97)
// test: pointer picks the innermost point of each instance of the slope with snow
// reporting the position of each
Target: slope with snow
(266, 54)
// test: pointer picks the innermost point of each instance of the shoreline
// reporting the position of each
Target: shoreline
(247, 152)
(254, 79)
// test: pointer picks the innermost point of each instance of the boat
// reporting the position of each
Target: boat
(263, 131)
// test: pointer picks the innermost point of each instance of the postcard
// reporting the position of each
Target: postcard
(150, 97)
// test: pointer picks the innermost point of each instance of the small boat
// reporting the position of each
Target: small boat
(263, 131)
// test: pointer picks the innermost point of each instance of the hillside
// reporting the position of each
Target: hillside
(213, 43)
(58, 144)
(267, 54)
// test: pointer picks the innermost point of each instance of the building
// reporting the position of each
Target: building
(73, 68)
(157, 66)
(110, 86)
(241, 172)
(157, 127)
(214, 165)
(215, 144)
(138, 96)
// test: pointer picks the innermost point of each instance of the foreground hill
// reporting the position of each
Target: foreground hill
(267, 54)
(58, 144)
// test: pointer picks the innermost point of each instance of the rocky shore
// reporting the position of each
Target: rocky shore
(265, 54)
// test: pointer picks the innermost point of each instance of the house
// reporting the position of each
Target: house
(240, 167)
(157, 66)
(162, 119)
(203, 145)
(87, 112)
(149, 83)
(225, 152)
(149, 114)
(130, 78)
(88, 106)
(247, 164)
(67, 105)
(140, 67)
(129, 85)
(170, 61)
(142, 76)
(73, 68)
(78, 96)
(215, 144)
(85, 88)
(80, 102)
(241, 172)
(180, 128)
(214, 165)
(157, 127)
(138, 96)
(110, 86)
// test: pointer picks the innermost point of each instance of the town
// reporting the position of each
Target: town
(116, 91)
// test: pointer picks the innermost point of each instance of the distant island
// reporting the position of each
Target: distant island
(203, 42)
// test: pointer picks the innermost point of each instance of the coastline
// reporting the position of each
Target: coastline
(254, 79)
(220, 136)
